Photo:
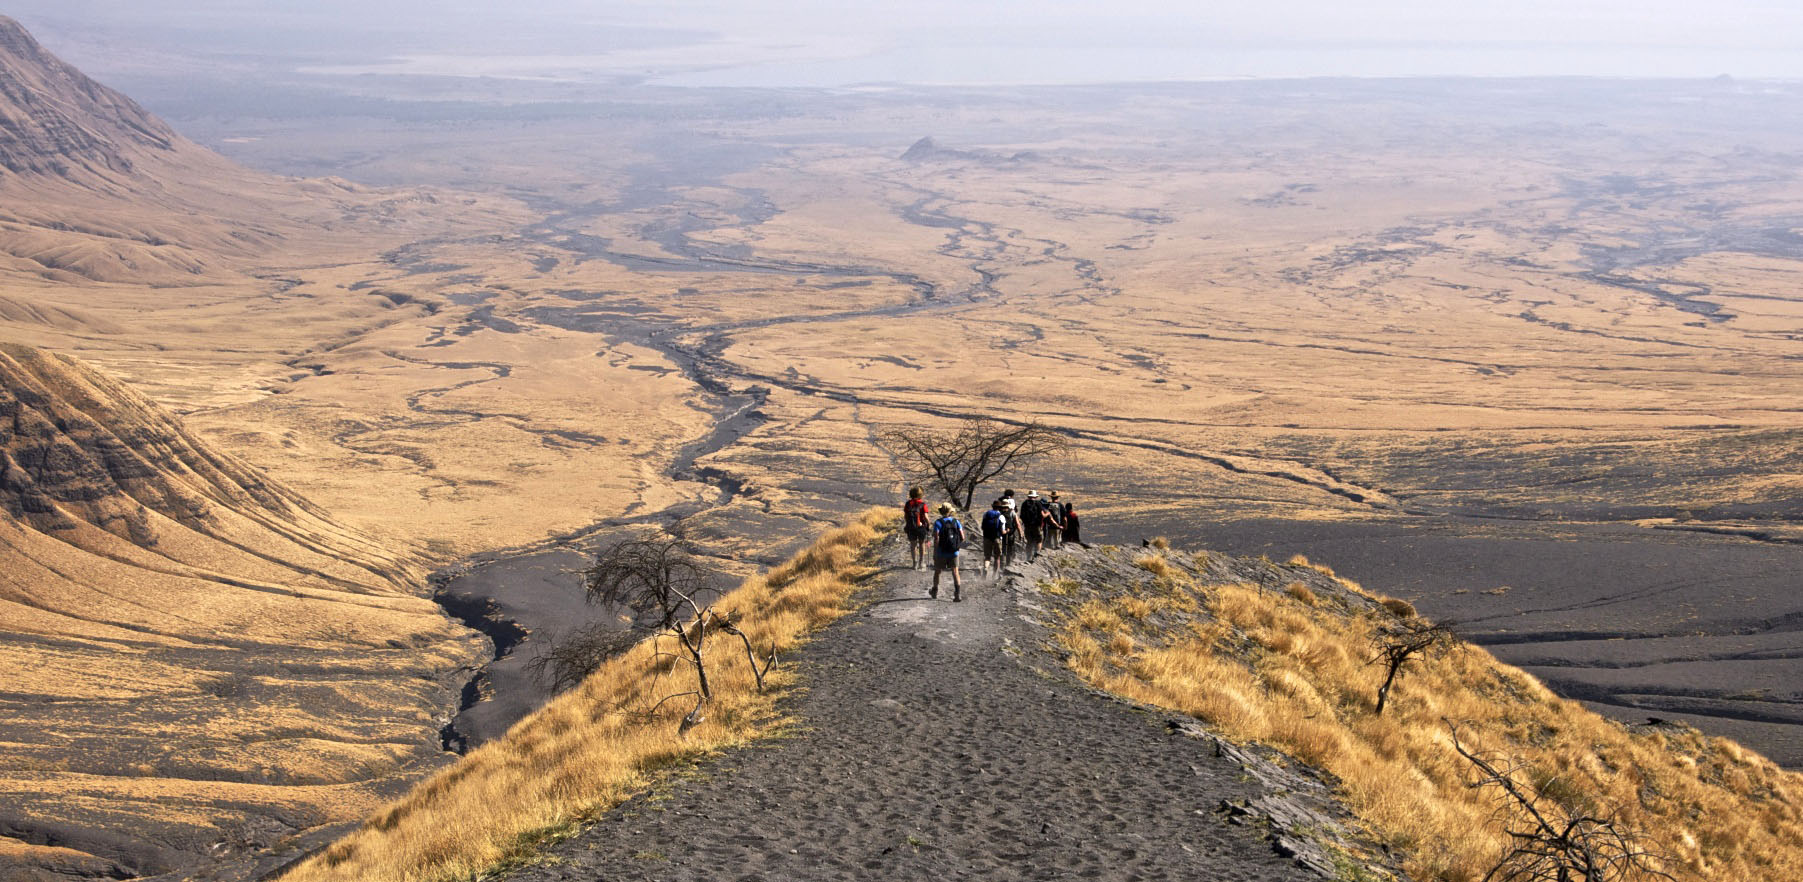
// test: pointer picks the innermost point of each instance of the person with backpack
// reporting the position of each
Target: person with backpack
(1032, 523)
(914, 523)
(995, 526)
(1010, 536)
(1054, 522)
(948, 538)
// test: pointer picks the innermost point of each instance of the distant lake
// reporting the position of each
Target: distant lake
(840, 66)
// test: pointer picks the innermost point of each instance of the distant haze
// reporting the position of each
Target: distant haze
(826, 43)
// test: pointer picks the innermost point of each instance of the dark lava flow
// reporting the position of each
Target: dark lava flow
(513, 594)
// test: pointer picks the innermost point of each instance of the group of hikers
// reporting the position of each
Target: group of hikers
(1035, 523)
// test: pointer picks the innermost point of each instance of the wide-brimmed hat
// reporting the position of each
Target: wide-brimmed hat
(1054, 494)
(945, 508)
(1008, 503)
(1033, 494)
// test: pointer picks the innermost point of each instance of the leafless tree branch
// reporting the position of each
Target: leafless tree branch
(1555, 842)
(974, 453)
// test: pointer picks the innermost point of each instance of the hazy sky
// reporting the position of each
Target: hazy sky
(833, 42)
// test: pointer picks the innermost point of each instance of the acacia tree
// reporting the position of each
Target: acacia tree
(974, 453)
(659, 577)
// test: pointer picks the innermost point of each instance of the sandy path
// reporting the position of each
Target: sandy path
(931, 748)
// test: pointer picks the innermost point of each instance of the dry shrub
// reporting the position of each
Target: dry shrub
(1300, 679)
(1398, 607)
(596, 744)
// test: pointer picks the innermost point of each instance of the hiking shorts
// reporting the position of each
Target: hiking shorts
(992, 546)
(916, 532)
(945, 561)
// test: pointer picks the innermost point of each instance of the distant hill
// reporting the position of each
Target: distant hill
(927, 150)
(94, 188)
(98, 189)
(54, 120)
(198, 663)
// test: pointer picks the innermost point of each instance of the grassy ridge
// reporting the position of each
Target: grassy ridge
(581, 754)
(1293, 669)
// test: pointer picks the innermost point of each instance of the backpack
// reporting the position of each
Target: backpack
(950, 535)
(915, 512)
(1029, 513)
(994, 523)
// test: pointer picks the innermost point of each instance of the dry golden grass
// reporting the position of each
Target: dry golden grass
(1269, 667)
(595, 745)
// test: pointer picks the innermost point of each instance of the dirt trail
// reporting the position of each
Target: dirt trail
(935, 742)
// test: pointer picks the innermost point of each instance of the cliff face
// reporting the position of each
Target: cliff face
(55, 120)
(199, 663)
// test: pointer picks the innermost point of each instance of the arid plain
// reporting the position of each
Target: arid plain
(1526, 352)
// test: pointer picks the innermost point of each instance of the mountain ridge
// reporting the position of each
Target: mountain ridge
(53, 117)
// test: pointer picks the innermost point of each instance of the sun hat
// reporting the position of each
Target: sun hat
(1008, 504)
(1054, 494)
(1032, 494)
(945, 508)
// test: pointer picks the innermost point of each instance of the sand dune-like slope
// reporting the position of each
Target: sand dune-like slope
(196, 660)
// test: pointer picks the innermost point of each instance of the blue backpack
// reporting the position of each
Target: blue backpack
(994, 523)
(950, 535)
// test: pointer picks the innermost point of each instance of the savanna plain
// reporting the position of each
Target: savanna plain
(1523, 353)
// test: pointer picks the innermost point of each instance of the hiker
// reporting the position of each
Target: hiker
(995, 526)
(948, 537)
(1010, 536)
(1054, 522)
(914, 523)
(1032, 523)
(1071, 534)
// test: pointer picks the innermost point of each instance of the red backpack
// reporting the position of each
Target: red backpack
(915, 511)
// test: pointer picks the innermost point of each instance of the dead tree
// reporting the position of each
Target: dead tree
(566, 660)
(974, 453)
(659, 578)
(1396, 645)
(1555, 842)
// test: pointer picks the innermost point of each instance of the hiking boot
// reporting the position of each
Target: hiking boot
(955, 597)
(933, 592)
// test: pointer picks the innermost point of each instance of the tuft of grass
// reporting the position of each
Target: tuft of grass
(599, 743)
(1259, 667)
(1398, 607)
(1302, 593)
(1156, 564)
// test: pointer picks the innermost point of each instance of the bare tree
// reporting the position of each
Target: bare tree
(659, 577)
(976, 452)
(1555, 842)
(1403, 641)
(565, 660)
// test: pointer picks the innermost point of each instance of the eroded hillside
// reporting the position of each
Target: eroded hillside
(196, 660)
